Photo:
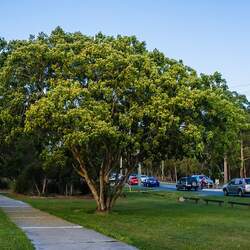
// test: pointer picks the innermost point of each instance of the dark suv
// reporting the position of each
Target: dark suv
(239, 186)
(187, 183)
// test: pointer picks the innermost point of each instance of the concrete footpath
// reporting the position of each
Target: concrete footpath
(48, 232)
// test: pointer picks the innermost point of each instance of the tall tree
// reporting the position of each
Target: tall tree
(102, 98)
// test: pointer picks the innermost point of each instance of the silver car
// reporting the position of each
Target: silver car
(238, 186)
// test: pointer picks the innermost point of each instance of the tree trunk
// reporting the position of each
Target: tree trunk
(44, 185)
(66, 190)
(175, 173)
(101, 205)
(105, 196)
(242, 165)
(84, 174)
(37, 189)
(139, 174)
(162, 170)
(225, 169)
(71, 189)
(121, 172)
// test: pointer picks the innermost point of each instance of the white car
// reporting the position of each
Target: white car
(143, 178)
(114, 177)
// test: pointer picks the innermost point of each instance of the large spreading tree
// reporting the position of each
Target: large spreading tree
(102, 98)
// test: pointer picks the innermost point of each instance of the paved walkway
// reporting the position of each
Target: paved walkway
(48, 232)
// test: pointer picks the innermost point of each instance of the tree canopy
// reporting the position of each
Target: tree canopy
(101, 98)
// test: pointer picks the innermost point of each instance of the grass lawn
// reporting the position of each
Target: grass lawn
(157, 221)
(11, 237)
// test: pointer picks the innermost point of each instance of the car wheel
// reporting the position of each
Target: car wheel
(225, 192)
(240, 193)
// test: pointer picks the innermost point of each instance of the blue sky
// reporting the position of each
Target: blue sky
(208, 35)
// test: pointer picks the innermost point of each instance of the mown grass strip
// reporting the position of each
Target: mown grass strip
(158, 221)
(11, 237)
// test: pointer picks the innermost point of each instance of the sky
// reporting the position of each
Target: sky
(208, 35)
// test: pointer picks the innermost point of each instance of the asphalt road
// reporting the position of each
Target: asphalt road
(204, 192)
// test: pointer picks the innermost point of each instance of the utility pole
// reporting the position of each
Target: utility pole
(225, 169)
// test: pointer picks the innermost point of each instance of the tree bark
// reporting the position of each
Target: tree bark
(66, 190)
(104, 195)
(162, 170)
(44, 185)
(118, 189)
(71, 189)
(102, 203)
(175, 173)
(37, 189)
(139, 174)
(242, 163)
(84, 174)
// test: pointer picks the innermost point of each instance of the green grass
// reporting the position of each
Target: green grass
(11, 237)
(157, 221)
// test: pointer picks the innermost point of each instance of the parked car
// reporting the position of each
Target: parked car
(133, 180)
(238, 186)
(208, 181)
(114, 177)
(143, 178)
(151, 182)
(187, 183)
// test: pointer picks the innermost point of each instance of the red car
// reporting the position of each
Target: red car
(133, 180)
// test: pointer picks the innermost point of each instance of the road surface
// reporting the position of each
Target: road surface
(204, 192)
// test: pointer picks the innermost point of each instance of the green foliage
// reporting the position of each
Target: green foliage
(29, 177)
(4, 183)
(86, 101)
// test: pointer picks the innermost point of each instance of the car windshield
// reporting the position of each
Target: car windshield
(247, 181)
(151, 178)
